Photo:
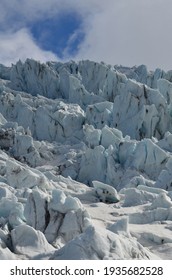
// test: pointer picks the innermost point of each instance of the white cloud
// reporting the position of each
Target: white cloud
(21, 45)
(16, 42)
(127, 32)
(131, 32)
(24, 11)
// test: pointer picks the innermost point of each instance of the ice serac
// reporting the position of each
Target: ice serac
(99, 244)
(99, 114)
(106, 193)
(121, 227)
(85, 161)
(18, 176)
(68, 218)
(29, 242)
(58, 216)
(36, 209)
(93, 165)
(135, 196)
(100, 79)
(141, 74)
(140, 111)
(35, 78)
(78, 94)
(164, 179)
(6, 254)
(165, 88)
(153, 158)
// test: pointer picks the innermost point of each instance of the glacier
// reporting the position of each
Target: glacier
(85, 161)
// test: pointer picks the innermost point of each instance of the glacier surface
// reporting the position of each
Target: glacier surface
(85, 161)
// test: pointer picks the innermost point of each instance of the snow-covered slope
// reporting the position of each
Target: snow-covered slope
(85, 161)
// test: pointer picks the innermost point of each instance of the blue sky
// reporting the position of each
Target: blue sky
(126, 32)
(55, 34)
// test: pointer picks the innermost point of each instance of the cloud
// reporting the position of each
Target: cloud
(17, 17)
(127, 32)
(21, 45)
(130, 33)
(23, 11)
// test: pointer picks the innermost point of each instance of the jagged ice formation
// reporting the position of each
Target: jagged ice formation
(85, 161)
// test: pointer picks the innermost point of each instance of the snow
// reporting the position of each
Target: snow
(29, 242)
(98, 244)
(85, 161)
(161, 201)
(135, 196)
(63, 204)
(121, 226)
(5, 253)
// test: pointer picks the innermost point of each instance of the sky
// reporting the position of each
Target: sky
(123, 32)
